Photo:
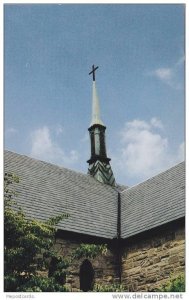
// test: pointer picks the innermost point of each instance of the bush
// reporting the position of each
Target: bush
(109, 288)
(174, 285)
(89, 251)
(28, 248)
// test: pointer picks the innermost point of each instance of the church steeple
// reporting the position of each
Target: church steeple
(99, 163)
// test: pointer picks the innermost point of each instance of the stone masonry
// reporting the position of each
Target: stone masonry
(105, 266)
(148, 263)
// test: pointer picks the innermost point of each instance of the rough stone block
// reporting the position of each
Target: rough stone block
(177, 243)
(152, 288)
(139, 276)
(164, 254)
(178, 250)
(152, 252)
(161, 282)
(173, 259)
(133, 271)
(139, 281)
(146, 263)
(156, 260)
(167, 271)
(132, 254)
(162, 264)
(180, 269)
(134, 286)
(128, 265)
(154, 269)
(166, 245)
(160, 276)
(142, 288)
(182, 261)
(151, 279)
(140, 257)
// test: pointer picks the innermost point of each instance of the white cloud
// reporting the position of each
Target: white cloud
(169, 75)
(144, 151)
(156, 123)
(165, 74)
(43, 147)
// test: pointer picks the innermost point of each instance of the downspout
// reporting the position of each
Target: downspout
(119, 236)
(119, 216)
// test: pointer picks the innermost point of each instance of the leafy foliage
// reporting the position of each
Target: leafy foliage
(174, 285)
(89, 251)
(109, 288)
(28, 248)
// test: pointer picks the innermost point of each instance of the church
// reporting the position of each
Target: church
(142, 225)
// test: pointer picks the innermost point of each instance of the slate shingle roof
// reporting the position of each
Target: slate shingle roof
(47, 190)
(154, 202)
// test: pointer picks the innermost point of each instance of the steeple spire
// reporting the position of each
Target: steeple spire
(99, 166)
(95, 108)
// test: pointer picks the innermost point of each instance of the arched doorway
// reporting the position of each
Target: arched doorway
(86, 276)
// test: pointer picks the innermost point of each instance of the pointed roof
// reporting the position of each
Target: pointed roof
(96, 119)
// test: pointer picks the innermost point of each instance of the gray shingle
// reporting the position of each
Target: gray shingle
(46, 190)
(154, 202)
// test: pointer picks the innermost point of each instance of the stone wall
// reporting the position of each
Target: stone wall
(148, 262)
(105, 266)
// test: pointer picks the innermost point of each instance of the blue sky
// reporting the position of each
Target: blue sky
(49, 51)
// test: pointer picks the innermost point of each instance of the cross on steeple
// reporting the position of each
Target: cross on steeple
(93, 71)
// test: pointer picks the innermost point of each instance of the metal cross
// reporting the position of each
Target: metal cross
(93, 71)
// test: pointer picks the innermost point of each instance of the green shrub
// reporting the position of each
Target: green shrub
(174, 285)
(89, 251)
(28, 248)
(109, 288)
